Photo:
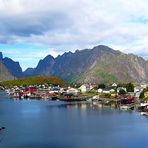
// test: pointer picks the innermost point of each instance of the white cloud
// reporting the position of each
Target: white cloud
(70, 24)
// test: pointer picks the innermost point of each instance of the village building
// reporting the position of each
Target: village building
(146, 94)
(138, 89)
(114, 85)
(100, 90)
(143, 85)
(108, 90)
(85, 88)
(137, 94)
(114, 95)
(73, 91)
(55, 90)
(121, 88)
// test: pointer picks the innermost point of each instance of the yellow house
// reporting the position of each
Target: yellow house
(113, 95)
(146, 94)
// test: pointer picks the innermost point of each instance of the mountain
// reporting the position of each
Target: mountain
(29, 72)
(98, 65)
(45, 66)
(4, 73)
(122, 68)
(12, 67)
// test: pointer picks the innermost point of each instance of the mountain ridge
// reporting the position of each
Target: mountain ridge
(99, 64)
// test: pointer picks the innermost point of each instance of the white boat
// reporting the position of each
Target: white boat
(126, 107)
(144, 113)
(143, 104)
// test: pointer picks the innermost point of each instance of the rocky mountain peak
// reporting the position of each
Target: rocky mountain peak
(49, 57)
(13, 67)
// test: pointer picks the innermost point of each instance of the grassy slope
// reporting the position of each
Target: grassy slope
(36, 80)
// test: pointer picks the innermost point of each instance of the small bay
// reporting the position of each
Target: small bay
(56, 124)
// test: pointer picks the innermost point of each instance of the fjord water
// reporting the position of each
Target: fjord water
(47, 124)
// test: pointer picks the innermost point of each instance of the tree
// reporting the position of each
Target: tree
(130, 87)
(122, 92)
(141, 95)
(101, 86)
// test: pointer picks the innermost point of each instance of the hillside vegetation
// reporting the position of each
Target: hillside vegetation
(36, 80)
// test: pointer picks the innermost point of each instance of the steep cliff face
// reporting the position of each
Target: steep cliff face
(13, 67)
(4, 73)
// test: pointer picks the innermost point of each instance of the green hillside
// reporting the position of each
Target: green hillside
(36, 80)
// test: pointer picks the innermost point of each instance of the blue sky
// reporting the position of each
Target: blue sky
(32, 29)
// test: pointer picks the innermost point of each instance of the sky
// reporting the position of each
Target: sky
(33, 29)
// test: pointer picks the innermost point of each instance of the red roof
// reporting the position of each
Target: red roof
(129, 98)
(31, 89)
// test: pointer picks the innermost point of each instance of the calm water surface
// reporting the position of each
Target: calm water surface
(46, 124)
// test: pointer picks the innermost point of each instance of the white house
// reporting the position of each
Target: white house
(55, 90)
(143, 85)
(121, 88)
(112, 90)
(100, 90)
(114, 85)
(137, 89)
(84, 88)
(108, 91)
(73, 91)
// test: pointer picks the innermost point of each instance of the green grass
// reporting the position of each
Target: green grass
(106, 77)
(36, 80)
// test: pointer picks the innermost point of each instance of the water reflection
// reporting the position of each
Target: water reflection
(82, 106)
(55, 124)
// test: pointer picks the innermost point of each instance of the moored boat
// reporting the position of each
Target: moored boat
(127, 107)
(144, 113)
(128, 103)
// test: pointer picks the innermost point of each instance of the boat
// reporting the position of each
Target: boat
(143, 108)
(143, 104)
(144, 113)
(127, 107)
(127, 103)
(2, 128)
